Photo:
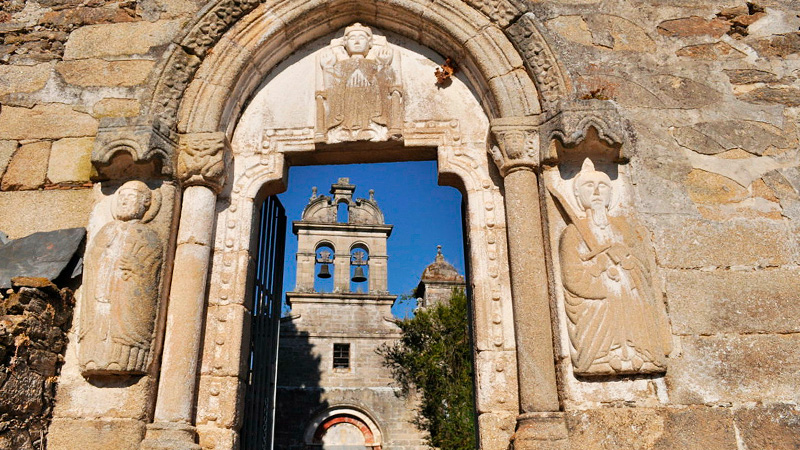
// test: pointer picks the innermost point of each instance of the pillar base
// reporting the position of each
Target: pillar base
(170, 436)
(541, 431)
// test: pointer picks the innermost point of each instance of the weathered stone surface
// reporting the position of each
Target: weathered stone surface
(733, 301)
(717, 136)
(693, 26)
(727, 368)
(34, 318)
(709, 187)
(28, 167)
(44, 210)
(70, 160)
(747, 76)
(81, 15)
(780, 46)
(48, 121)
(713, 51)
(603, 31)
(774, 426)
(20, 78)
(95, 434)
(116, 107)
(96, 72)
(788, 96)
(7, 149)
(685, 242)
(699, 428)
(96, 41)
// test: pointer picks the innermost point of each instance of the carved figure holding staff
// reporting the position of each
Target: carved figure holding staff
(617, 322)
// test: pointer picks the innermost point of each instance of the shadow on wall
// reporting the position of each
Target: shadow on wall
(299, 395)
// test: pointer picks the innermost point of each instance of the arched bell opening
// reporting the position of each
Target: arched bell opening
(324, 256)
(359, 269)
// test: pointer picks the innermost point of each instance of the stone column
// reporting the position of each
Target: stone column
(540, 424)
(201, 170)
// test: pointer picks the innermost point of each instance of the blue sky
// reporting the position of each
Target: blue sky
(423, 213)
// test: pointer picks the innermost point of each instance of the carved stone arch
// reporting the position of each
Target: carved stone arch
(207, 78)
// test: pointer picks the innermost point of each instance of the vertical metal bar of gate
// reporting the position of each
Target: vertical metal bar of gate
(259, 416)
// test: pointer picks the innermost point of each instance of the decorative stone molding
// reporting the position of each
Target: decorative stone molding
(201, 159)
(148, 142)
(517, 141)
(191, 50)
(540, 60)
(572, 124)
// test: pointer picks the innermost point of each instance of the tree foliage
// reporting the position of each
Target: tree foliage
(434, 358)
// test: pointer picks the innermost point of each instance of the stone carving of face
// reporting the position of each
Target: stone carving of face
(357, 42)
(132, 201)
(593, 190)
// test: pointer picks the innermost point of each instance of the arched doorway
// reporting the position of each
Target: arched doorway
(226, 83)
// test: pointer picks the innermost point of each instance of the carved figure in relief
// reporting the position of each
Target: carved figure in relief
(121, 287)
(617, 322)
(359, 94)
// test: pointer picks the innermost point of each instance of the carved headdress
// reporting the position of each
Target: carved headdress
(358, 27)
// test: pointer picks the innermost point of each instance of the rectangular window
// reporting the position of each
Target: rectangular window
(341, 356)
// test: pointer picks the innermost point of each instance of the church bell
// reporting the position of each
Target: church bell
(324, 271)
(358, 275)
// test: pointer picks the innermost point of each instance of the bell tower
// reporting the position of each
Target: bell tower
(333, 389)
(342, 238)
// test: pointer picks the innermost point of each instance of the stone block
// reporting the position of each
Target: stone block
(96, 72)
(130, 38)
(693, 26)
(698, 428)
(97, 434)
(70, 160)
(116, 107)
(46, 121)
(735, 368)
(496, 430)
(213, 438)
(776, 426)
(497, 382)
(33, 211)
(28, 167)
(7, 149)
(726, 301)
(225, 340)
(219, 401)
(18, 78)
(784, 95)
(713, 51)
(687, 242)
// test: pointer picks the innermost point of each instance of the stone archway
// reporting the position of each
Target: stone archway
(202, 90)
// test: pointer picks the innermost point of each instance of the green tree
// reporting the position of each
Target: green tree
(434, 358)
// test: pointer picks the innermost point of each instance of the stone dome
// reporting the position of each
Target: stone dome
(441, 270)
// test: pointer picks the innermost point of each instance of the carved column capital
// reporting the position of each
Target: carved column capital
(517, 143)
(202, 158)
(140, 147)
(573, 122)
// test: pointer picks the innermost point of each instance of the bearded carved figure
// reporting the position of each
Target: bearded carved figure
(359, 95)
(121, 287)
(617, 321)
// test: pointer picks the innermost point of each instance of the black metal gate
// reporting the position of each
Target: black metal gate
(259, 416)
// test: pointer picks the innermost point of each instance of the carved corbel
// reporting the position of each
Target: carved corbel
(138, 148)
(517, 140)
(202, 158)
(586, 128)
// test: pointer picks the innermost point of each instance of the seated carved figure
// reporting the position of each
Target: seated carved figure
(616, 318)
(120, 291)
(361, 96)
